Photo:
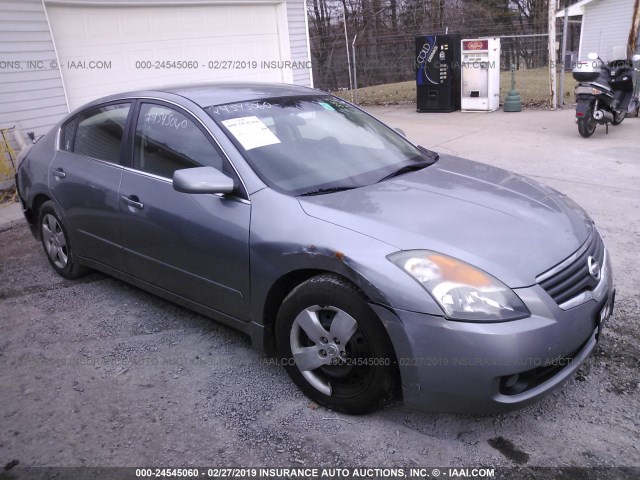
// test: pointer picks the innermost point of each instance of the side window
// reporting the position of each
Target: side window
(166, 141)
(97, 133)
(69, 134)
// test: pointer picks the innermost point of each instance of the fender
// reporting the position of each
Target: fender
(300, 263)
(584, 107)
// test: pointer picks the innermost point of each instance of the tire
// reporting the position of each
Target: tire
(56, 244)
(335, 348)
(618, 118)
(586, 125)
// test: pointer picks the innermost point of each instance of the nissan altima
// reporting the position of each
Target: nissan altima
(373, 269)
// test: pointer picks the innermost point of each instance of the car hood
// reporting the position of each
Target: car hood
(508, 225)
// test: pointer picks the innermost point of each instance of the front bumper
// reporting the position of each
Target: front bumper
(475, 367)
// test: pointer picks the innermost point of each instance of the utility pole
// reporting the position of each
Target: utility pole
(346, 43)
(565, 27)
(553, 99)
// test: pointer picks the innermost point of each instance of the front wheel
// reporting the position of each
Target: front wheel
(586, 125)
(55, 241)
(618, 117)
(334, 346)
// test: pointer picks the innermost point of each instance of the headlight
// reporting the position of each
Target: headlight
(463, 291)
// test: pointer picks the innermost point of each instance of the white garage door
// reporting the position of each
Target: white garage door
(104, 50)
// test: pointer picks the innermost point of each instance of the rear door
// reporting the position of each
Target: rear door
(84, 178)
(194, 245)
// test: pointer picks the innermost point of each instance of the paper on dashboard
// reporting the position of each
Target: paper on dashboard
(251, 132)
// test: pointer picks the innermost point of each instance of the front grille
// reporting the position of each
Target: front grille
(574, 278)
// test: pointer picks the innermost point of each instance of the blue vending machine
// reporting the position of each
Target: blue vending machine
(438, 73)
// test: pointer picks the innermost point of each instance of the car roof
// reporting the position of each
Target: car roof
(221, 93)
(206, 95)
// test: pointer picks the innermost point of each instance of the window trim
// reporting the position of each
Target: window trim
(133, 124)
(125, 130)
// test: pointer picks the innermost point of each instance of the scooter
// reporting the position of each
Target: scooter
(606, 92)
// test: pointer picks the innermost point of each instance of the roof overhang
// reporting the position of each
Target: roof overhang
(574, 10)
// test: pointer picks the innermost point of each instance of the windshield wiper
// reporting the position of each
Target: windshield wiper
(408, 168)
(322, 191)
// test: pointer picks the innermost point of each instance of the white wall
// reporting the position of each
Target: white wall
(33, 98)
(605, 24)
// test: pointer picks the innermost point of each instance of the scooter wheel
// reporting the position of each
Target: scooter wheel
(586, 127)
(618, 118)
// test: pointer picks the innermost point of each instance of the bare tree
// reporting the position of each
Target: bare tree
(385, 31)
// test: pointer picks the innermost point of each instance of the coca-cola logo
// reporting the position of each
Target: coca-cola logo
(475, 45)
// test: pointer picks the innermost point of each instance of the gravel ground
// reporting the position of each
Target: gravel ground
(98, 373)
(94, 372)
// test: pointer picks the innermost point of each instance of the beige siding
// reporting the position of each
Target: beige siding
(296, 16)
(31, 94)
(606, 24)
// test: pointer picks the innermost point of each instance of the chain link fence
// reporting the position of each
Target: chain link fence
(383, 70)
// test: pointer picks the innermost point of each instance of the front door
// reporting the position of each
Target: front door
(194, 245)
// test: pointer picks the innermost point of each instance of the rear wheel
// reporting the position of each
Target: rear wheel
(586, 125)
(55, 241)
(335, 348)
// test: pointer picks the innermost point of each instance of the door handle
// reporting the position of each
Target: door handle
(58, 173)
(133, 201)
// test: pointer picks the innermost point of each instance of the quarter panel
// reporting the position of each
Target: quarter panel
(33, 172)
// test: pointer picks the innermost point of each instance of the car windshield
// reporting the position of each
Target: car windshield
(310, 145)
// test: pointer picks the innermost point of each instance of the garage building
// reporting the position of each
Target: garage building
(59, 54)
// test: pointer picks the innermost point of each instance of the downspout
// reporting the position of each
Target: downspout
(55, 50)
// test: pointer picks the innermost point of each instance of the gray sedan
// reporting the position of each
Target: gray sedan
(373, 269)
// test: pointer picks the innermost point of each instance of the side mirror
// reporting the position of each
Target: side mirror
(202, 180)
(592, 56)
